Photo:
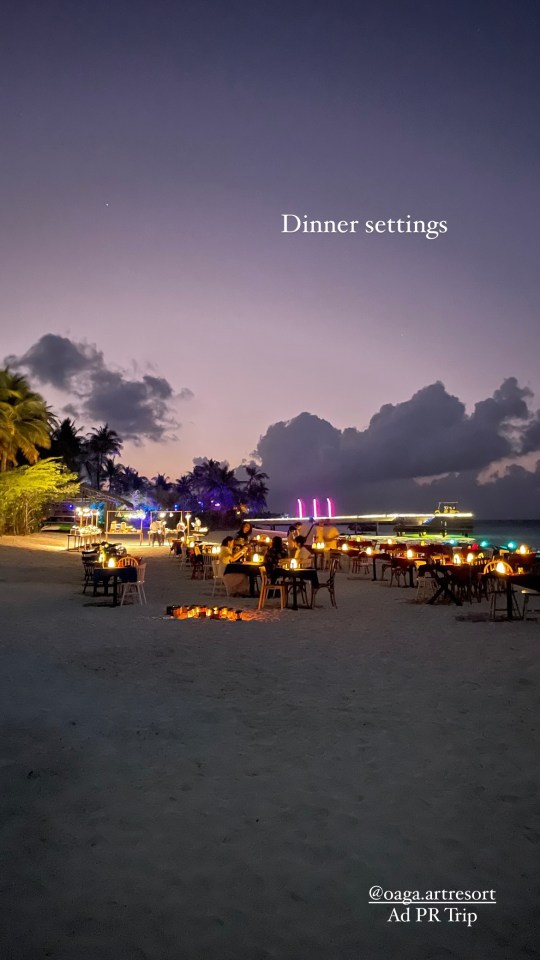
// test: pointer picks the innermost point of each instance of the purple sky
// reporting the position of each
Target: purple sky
(149, 150)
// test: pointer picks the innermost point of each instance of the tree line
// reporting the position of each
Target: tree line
(49, 459)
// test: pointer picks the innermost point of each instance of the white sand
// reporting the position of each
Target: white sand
(230, 791)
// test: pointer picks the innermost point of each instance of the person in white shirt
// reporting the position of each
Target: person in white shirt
(303, 555)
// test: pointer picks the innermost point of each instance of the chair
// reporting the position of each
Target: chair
(88, 569)
(273, 590)
(219, 585)
(528, 595)
(201, 566)
(136, 586)
(361, 565)
(207, 566)
(398, 573)
(127, 562)
(327, 585)
(180, 554)
(425, 588)
(499, 604)
(330, 556)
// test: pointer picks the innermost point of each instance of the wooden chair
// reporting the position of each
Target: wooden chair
(88, 569)
(327, 585)
(271, 591)
(219, 585)
(136, 586)
(127, 562)
(499, 605)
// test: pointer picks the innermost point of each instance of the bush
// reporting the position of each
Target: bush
(26, 491)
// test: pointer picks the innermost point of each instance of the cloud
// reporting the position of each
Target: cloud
(531, 437)
(138, 408)
(378, 468)
(58, 360)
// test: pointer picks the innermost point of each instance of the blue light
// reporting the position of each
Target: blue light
(484, 543)
(511, 545)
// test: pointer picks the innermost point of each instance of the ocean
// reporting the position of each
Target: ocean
(494, 533)
(502, 532)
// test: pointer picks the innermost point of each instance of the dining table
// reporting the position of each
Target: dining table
(114, 575)
(446, 586)
(408, 565)
(251, 570)
(298, 575)
(385, 557)
(528, 581)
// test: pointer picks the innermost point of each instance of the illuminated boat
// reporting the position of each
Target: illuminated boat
(445, 520)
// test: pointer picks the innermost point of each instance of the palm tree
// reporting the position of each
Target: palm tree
(102, 442)
(161, 490)
(255, 489)
(215, 485)
(113, 472)
(25, 421)
(132, 482)
(184, 495)
(67, 443)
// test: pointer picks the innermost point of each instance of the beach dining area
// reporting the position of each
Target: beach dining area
(257, 567)
(268, 572)
(195, 771)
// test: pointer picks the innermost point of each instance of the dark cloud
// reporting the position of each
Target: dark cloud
(378, 468)
(137, 408)
(58, 360)
(531, 437)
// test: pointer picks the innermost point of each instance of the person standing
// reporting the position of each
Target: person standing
(330, 536)
(307, 529)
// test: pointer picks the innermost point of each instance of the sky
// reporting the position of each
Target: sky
(149, 152)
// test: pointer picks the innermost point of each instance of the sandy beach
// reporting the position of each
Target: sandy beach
(232, 791)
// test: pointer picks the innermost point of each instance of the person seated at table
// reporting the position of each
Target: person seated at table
(292, 533)
(245, 533)
(303, 555)
(275, 553)
(237, 583)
